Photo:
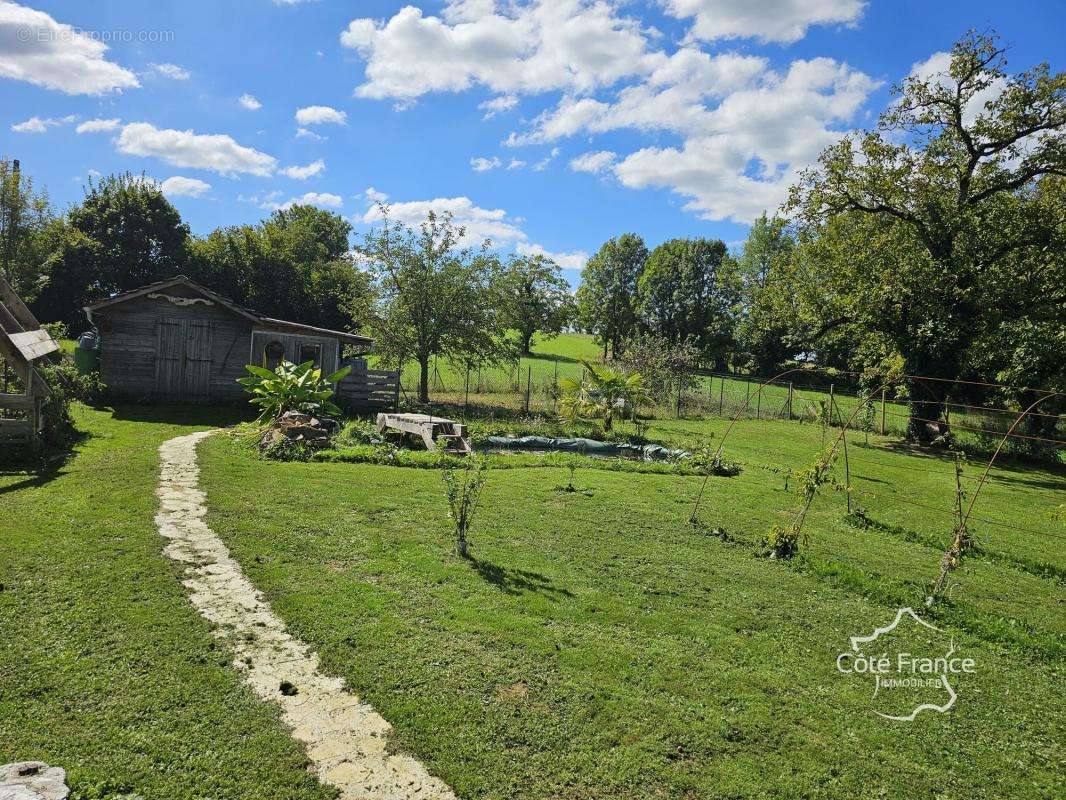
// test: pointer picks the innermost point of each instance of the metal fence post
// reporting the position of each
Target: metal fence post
(529, 375)
(721, 395)
(758, 404)
(790, 401)
(882, 412)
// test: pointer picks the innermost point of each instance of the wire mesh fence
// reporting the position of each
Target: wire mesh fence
(531, 386)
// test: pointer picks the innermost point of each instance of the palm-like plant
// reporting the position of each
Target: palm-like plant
(291, 387)
(604, 392)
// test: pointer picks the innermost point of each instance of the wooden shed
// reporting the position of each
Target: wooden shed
(23, 392)
(177, 341)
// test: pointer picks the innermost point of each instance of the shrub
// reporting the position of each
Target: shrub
(285, 449)
(356, 432)
(291, 387)
(603, 393)
(783, 542)
(86, 388)
(463, 495)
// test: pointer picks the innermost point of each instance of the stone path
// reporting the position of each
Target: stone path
(346, 738)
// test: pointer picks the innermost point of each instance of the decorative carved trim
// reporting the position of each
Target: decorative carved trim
(180, 301)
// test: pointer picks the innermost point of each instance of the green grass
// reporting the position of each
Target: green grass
(600, 647)
(105, 667)
(597, 647)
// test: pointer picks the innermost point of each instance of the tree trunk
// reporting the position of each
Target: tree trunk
(423, 379)
(926, 408)
(527, 342)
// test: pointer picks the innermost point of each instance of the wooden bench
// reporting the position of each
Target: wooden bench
(437, 432)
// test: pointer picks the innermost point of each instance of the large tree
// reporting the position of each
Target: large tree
(765, 333)
(534, 298)
(955, 173)
(124, 234)
(607, 298)
(689, 290)
(294, 265)
(438, 298)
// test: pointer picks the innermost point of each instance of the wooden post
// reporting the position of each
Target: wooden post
(882, 412)
(832, 403)
(790, 401)
(721, 395)
(529, 376)
(679, 385)
(747, 394)
(466, 391)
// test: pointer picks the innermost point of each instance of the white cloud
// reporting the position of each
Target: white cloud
(516, 163)
(321, 115)
(574, 260)
(542, 165)
(38, 125)
(56, 56)
(304, 133)
(249, 102)
(574, 45)
(98, 125)
(217, 152)
(319, 199)
(374, 196)
(783, 21)
(171, 71)
(303, 173)
(498, 105)
(180, 186)
(746, 130)
(595, 162)
(484, 164)
(480, 223)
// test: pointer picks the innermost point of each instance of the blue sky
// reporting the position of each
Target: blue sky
(548, 126)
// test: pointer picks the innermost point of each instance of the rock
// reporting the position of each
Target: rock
(32, 780)
(299, 427)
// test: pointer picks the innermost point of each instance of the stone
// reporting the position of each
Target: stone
(33, 780)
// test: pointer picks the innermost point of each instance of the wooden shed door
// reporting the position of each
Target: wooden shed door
(184, 356)
(197, 361)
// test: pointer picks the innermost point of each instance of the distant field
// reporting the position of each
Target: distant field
(506, 386)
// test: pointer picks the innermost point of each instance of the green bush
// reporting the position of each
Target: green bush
(287, 450)
(291, 387)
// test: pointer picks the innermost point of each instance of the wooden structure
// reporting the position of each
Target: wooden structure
(177, 341)
(23, 345)
(434, 431)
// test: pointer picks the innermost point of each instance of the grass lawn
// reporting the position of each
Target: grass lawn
(600, 647)
(106, 669)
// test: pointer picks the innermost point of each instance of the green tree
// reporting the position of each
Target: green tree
(607, 298)
(294, 265)
(954, 175)
(534, 298)
(123, 235)
(765, 334)
(689, 291)
(437, 297)
(25, 219)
